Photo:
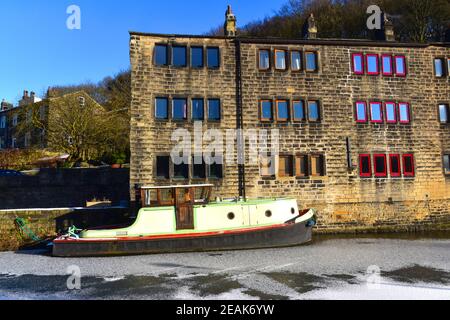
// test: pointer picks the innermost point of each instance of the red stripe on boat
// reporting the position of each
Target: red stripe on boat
(174, 236)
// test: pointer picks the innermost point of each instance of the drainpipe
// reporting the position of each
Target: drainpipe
(240, 122)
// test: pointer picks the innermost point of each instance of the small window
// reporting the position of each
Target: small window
(408, 165)
(216, 170)
(213, 57)
(301, 166)
(280, 59)
(439, 66)
(264, 59)
(296, 60)
(395, 166)
(361, 112)
(82, 101)
(365, 165)
(161, 55)
(299, 110)
(197, 57)
(372, 64)
(267, 164)
(179, 56)
(15, 120)
(400, 66)
(29, 115)
(380, 165)
(391, 112)
(282, 110)
(163, 167)
(42, 112)
(386, 64)
(3, 122)
(198, 109)
(198, 167)
(317, 166)
(444, 111)
(446, 163)
(266, 111)
(358, 63)
(162, 108)
(285, 166)
(376, 112)
(179, 109)
(313, 111)
(404, 112)
(311, 61)
(214, 113)
(181, 171)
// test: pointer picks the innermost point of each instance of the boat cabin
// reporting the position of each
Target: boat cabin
(183, 198)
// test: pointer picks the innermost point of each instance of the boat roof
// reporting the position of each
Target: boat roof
(178, 186)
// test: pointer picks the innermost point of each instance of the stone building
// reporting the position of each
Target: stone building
(364, 126)
(17, 129)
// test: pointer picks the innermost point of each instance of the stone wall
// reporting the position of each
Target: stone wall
(346, 202)
(47, 223)
(62, 188)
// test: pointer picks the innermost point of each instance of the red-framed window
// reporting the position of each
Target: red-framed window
(408, 165)
(390, 110)
(358, 63)
(387, 67)
(376, 112)
(365, 165)
(361, 112)
(404, 112)
(400, 66)
(372, 65)
(380, 165)
(395, 167)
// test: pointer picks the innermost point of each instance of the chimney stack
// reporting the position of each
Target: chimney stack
(25, 94)
(230, 23)
(310, 28)
(389, 34)
(32, 95)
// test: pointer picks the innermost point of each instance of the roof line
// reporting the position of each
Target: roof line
(323, 41)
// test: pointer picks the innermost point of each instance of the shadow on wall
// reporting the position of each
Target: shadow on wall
(62, 188)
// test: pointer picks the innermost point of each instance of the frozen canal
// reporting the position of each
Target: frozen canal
(329, 268)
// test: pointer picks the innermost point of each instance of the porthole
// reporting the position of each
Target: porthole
(231, 216)
(293, 210)
(268, 214)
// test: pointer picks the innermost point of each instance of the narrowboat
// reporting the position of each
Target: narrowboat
(177, 219)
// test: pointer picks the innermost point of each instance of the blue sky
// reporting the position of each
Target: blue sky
(38, 50)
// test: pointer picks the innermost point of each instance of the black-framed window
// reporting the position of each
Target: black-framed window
(311, 61)
(317, 165)
(314, 111)
(301, 166)
(298, 107)
(214, 109)
(198, 109)
(446, 163)
(444, 113)
(264, 59)
(285, 166)
(213, 57)
(197, 59)
(163, 167)
(161, 55)
(296, 60)
(439, 67)
(282, 110)
(280, 60)
(179, 56)
(216, 170)
(198, 167)
(181, 171)
(179, 109)
(162, 108)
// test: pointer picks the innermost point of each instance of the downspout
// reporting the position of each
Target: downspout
(240, 123)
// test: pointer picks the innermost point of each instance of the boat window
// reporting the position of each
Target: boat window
(150, 198)
(165, 197)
